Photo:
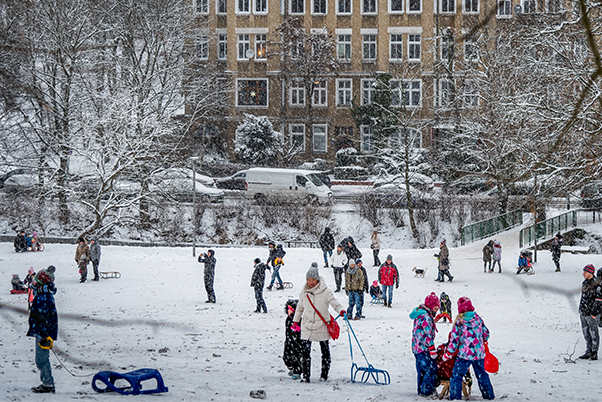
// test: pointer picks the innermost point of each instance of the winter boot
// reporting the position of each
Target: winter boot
(280, 287)
(269, 287)
(43, 389)
(389, 305)
(586, 356)
(557, 270)
(594, 356)
(385, 304)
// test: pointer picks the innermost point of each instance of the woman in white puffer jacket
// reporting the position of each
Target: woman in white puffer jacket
(313, 329)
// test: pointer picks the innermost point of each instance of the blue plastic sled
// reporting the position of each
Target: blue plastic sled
(380, 377)
(134, 378)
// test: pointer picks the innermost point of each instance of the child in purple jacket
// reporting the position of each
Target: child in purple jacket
(468, 338)
(423, 344)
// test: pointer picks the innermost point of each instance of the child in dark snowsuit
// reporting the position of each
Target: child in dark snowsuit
(292, 341)
(257, 282)
(18, 285)
(375, 291)
(446, 308)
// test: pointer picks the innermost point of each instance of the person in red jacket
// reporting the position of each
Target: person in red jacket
(388, 275)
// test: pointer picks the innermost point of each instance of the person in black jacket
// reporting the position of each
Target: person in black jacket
(352, 251)
(327, 245)
(555, 249)
(590, 308)
(20, 242)
(257, 283)
(209, 260)
(293, 346)
(272, 256)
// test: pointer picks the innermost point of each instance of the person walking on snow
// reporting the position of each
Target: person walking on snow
(209, 274)
(590, 308)
(423, 344)
(375, 246)
(339, 262)
(354, 286)
(82, 258)
(327, 245)
(43, 325)
(360, 265)
(353, 253)
(257, 283)
(277, 263)
(497, 256)
(468, 337)
(443, 257)
(555, 248)
(487, 253)
(95, 256)
(315, 297)
(388, 275)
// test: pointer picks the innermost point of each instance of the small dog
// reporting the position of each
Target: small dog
(419, 273)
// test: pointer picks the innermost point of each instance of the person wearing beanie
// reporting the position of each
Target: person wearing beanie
(327, 245)
(82, 258)
(95, 256)
(445, 309)
(209, 274)
(31, 273)
(467, 339)
(443, 258)
(293, 345)
(277, 263)
(257, 283)
(354, 286)
(338, 263)
(43, 325)
(314, 300)
(388, 275)
(423, 344)
(375, 246)
(590, 308)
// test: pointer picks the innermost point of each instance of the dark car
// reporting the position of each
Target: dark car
(591, 195)
(234, 182)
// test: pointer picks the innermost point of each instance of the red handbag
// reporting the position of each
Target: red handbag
(333, 327)
(492, 365)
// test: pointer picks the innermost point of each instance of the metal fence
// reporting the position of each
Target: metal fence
(488, 227)
(547, 229)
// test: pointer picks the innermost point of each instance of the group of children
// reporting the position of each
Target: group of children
(22, 286)
(24, 243)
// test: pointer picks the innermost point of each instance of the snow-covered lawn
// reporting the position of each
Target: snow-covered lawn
(221, 352)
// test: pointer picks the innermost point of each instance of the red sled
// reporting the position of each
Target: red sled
(18, 292)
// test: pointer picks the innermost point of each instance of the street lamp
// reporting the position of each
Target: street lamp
(194, 160)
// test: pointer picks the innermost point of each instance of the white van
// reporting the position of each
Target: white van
(263, 182)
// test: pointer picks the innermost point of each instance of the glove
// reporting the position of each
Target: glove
(342, 313)
(295, 327)
(347, 292)
(397, 286)
(433, 352)
(46, 343)
(446, 356)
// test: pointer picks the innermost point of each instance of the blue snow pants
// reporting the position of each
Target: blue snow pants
(427, 373)
(460, 368)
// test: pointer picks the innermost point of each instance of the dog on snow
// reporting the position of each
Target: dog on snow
(419, 273)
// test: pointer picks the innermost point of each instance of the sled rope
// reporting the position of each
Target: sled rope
(68, 371)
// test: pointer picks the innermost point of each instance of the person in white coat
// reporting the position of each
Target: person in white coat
(313, 329)
(338, 262)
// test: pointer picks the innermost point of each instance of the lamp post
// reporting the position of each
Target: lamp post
(194, 160)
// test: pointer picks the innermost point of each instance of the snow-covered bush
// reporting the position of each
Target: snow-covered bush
(256, 141)
(350, 173)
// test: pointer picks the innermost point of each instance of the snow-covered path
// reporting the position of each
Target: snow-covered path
(221, 352)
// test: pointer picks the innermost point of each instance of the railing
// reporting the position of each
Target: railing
(488, 227)
(548, 228)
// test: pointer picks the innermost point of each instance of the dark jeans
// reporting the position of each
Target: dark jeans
(485, 263)
(209, 287)
(426, 368)
(442, 273)
(589, 326)
(460, 368)
(276, 275)
(326, 254)
(306, 358)
(259, 298)
(43, 364)
(390, 289)
(338, 277)
(376, 259)
(499, 265)
(95, 265)
(355, 299)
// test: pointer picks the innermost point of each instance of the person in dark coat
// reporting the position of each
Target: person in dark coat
(555, 248)
(366, 288)
(277, 263)
(590, 308)
(293, 346)
(82, 257)
(327, 245)
(443, 258)
(353, 253)
(257, 283)
(43, 325)
(487, 254)
(272, 256)
(20, 242)
(95, 256)
(209, 260)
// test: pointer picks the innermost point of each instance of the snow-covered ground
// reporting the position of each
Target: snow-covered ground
(221, 352)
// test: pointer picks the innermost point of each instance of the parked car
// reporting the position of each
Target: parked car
(591, 195)
(235, 182)
(262, 182)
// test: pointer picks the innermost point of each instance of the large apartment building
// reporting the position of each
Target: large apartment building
(408, 38)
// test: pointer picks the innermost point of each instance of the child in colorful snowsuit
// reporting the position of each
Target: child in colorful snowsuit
(468, 338)
(423, 344)
(446, 308)
(497, 256)
(293, 347)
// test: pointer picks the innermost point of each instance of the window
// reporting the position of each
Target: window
(396, 47)
(396, 6)
(297, 6)
(367, 139)
(471, 6)
(297, 93)
(414, 6)
(243, 45)
(368, 6)
(203, 46)
(529, 6)
(344, 47)
(344, 7)
(243, 6)
(261, 6)
(368, 91)
(369, 47)
(319, 94)
(222, 6)
(406, 92)
(252, 92)
(470, 50)
(261, 46)
(405, 136)
(445, 93)
(320, 137)
(297, 135)
(447, 47)
(504, 8)
(414, 47)
(448, 6)
(320, 7)
(345, 131)
(471, 94)
(344, 92)
(222, 46)
(202, 6)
